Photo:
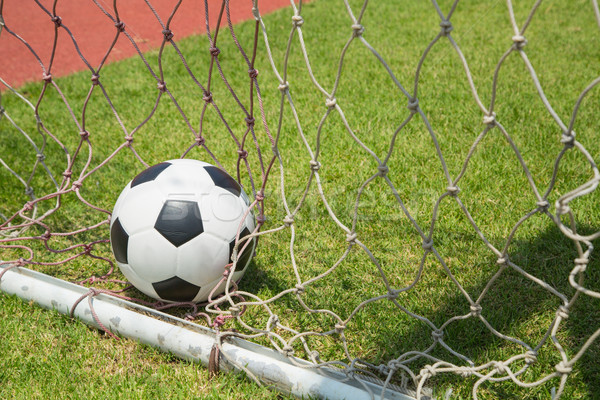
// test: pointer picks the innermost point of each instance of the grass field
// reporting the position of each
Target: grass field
(46, 355)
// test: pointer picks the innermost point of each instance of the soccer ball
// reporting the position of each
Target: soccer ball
(174, 227)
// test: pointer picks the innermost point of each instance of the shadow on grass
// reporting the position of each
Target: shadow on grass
(516, 307)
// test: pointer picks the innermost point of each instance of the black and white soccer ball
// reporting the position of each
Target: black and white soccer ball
(174, 227)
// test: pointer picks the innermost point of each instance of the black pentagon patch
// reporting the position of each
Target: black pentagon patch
(176, 289)
(248, 251)
(223, 180)
(118, 241)
(179, 221)
(149, 174)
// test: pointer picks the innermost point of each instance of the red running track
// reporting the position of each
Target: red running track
(94, 31)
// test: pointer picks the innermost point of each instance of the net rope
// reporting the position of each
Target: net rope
(254, 135)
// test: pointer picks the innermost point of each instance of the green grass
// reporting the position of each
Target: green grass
(494, 189)
(48, 355)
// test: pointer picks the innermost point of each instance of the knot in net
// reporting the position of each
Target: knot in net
(543, 205)
(453, 190)
(490, 119)
(351, 237)
(288, 220)
(568, 139)
(530, 357)
(200, 141)
(385, 369)
(500, 367)
(288, 351)
(57, 20)
(47, 77)
(95, 79)
(168, 34)
(382, 170)
(161, 86)
(428, 371)
(563, 368)
(275, 150)
(330, 102)
(207, 97)
(243, 154)
(87, 248)
(77, 184)
(446, 26)
(581, 263)
(357, 30)
(235, 311)
(580, 268)
(28, 206)
(562, 312)
(475, 310)
(519, 41)
(250, 121)
(120, 25)
(219, 321)
(437, 335)
(297, 21)
(300, 289)
(253, 73)
(413, 105)
(84, 135)
(314, 165)
(272, 322)
(284, 87)
(214, 51)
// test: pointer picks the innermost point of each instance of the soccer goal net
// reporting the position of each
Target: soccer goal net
(421, 176)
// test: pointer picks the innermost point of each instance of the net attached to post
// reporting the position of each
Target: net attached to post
(416, 211)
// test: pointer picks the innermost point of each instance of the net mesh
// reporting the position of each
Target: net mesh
(420, 274)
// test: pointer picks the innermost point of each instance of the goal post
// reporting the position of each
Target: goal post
(186, 340)
(423, 177)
